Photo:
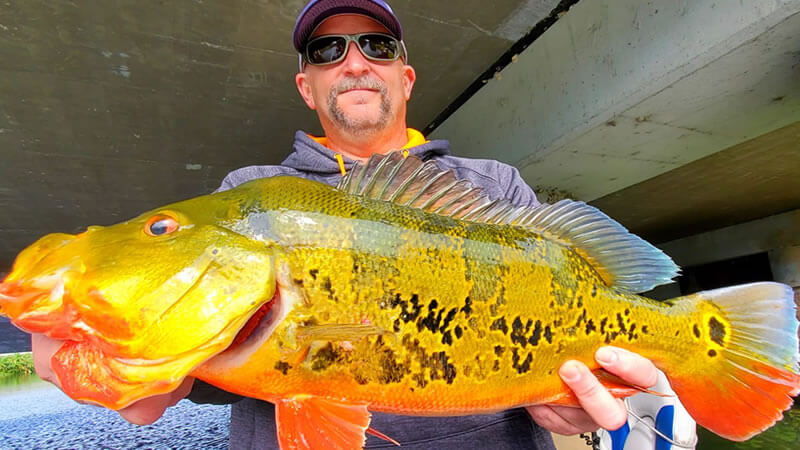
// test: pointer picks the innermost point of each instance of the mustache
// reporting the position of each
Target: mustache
(364, 82)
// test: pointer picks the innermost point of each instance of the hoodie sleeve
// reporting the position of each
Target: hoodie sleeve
(517, 190)
(245, 174)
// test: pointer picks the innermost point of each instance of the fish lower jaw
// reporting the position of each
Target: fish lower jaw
(255, 332)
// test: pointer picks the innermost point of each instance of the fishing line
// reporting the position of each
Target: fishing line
(663, 436)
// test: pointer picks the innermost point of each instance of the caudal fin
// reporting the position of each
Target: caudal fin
(748, 371)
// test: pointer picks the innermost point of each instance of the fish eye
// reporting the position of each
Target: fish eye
(160, 224)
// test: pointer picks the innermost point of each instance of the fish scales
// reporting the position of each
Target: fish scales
(474, 314)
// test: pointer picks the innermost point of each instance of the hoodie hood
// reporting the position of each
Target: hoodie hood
(309, 156)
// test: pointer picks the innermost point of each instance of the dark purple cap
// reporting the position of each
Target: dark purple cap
(316, 11)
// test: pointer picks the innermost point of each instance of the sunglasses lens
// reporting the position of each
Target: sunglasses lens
(325, 49)
(378, 46)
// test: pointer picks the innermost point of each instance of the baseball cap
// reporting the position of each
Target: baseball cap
(316, 11)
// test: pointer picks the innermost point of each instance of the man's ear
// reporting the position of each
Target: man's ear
(304, 88)
(409, 77)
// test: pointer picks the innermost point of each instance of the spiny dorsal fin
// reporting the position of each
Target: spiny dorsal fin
(622, 259)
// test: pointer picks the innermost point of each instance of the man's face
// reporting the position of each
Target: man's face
(356, 95)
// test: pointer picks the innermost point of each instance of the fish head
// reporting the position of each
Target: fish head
(143, 302)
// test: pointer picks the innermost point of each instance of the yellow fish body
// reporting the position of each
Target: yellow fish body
(402, 291)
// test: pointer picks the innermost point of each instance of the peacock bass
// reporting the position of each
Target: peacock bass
(403, 290)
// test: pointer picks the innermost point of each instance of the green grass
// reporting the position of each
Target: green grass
(16, 365)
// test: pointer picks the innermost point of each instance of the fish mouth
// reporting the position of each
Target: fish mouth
(258, 327)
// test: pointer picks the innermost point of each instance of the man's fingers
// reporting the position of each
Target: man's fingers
(627, 365)
(608, 412)
(43, 349)
(551, 419)
(150, 409)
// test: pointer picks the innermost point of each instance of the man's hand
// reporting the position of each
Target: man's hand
(599, 408)
(142, 412)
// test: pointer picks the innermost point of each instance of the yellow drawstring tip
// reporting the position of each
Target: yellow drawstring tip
(340, 160)
(405, 153)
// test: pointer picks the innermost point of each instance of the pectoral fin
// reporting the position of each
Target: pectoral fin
(338, 332)
(306, 421)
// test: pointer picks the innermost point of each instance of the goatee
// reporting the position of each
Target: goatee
(360, 126)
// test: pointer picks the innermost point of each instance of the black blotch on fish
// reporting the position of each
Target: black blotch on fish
(447, 338)
(407, 314)
(499, 349)
(458, 332)
(496, 366)
(621, 323)
(644, 329)
(440, 367)
(603, 325)
(313, 273)
(500, 324)
(631, 335)
(467, 308)
(282, 367)
(432, 321)
(548, 335)
(590, 327)
(391, 370)
(326, 284)
(523, 367)
(696, 331)
(324, 358)
(712, 353)
(537, 334)
(581, 318)
(716, 331)
(519, 332)
(580, 301)
(450, 316)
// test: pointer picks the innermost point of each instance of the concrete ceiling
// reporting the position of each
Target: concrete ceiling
(673, 117)
(108, 109)
(111, 108)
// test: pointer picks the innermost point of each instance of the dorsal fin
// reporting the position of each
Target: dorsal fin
(622, 259)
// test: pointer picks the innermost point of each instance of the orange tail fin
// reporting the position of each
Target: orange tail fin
(749, 372)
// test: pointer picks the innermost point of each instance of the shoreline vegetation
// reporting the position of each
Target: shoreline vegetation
(16, 364)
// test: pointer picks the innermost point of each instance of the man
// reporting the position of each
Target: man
(353, 73)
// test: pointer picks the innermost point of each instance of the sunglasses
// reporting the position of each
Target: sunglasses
(332, 48)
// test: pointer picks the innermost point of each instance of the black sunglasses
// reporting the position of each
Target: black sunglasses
(332, 48)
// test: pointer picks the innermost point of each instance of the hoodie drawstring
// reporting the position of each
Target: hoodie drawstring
(340, 160)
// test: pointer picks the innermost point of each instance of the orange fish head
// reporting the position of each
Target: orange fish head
(141, 303)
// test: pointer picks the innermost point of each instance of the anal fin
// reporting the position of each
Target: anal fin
(311, 422)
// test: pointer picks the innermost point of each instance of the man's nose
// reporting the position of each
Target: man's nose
(355, 63)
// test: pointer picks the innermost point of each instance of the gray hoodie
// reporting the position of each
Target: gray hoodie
(253, 421)
(317, 162)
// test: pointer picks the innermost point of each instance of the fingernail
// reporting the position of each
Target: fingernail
(569, 372)
(606, 356)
